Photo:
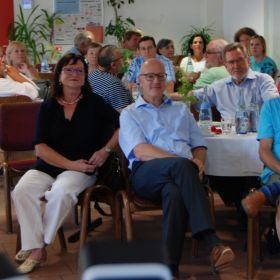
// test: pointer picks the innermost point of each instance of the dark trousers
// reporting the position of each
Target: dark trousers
(175, 182)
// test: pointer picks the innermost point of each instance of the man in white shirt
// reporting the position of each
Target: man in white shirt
(14, 83)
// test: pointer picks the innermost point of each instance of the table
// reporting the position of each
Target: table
(233, 155)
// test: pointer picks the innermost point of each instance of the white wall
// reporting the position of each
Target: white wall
(172, 19)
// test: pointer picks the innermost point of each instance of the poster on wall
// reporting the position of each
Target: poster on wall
(77, 15)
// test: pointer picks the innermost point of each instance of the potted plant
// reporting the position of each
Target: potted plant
(120, 25)
(35, 31)
(205, 32)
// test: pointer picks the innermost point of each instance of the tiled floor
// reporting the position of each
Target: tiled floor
(148, 226)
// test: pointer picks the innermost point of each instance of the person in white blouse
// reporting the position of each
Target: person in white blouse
(14, 83)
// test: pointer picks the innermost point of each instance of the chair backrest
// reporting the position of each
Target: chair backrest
(15, 99)
(17, 125)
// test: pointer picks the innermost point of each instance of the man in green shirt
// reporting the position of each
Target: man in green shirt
(214, 64)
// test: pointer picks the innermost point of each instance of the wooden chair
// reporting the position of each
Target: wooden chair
(15, 99)
(254, 241)
(17, 131)
(128, 202)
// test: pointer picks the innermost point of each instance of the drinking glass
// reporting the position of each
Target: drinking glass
(226, 125)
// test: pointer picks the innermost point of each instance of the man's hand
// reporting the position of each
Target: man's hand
(200, 166)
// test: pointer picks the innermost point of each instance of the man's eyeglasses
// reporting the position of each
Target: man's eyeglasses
(146, 48)
(118, 58)
(151, 76)
(212, 52)
(72, 71)
(237, 61)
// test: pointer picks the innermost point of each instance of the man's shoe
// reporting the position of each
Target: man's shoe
(29, 265)
(253, 202)
(221, 256)
(22, 255)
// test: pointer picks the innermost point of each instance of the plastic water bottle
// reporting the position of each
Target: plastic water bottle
(205, 114)
(241, 116)
(44, 64)
(189, 68)
(253, 111)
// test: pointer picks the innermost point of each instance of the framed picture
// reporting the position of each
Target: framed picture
(26, 4)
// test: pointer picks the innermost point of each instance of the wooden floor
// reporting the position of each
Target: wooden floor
(148, 226)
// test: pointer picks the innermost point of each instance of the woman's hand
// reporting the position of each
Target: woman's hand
(83, 165)
(99, 157)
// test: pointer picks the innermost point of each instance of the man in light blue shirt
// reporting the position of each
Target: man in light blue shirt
(166, 154)
(147, 50)
(225, 93)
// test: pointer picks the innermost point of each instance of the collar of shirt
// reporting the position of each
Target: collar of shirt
(250, 76)
(141, 102)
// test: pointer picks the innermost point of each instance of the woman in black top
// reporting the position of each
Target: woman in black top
(76, 130)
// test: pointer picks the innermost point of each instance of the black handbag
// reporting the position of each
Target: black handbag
(110, 173)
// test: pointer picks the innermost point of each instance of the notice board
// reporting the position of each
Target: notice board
(77, 15)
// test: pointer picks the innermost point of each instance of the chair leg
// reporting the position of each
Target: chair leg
(7, 199)
(118, 219)
(62, 240)
(194, 250)
(85, 217)
(250, 248)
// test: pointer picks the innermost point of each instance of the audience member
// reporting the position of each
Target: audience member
(166, 47)
(196, 47)
(225, 93)
(81, 43)
(166, 154)
(215, 69)
(104, 80)
(92, 56)
(131, 39)
(16, 55)
(76, 131)
(147, 49)
(269, 150)
(243, 36)
(14, 83)
(259, 61)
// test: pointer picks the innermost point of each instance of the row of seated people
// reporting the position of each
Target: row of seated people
(54, 160)
(140, 146)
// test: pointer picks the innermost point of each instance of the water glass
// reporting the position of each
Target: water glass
(226, 125)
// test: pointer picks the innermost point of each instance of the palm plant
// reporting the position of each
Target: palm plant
(35, 31)
(205, 32)
(119, 26)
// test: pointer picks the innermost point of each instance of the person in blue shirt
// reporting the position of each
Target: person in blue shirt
(269, 150)
(225, 93)
(259, 61)
(147, 49)
(166, 153)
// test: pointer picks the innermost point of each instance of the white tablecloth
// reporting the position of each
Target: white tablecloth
(233, 155)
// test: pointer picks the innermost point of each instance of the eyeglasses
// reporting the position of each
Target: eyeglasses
(151, 76)
(72, 71)
(121, 57)
(237, 61)
(146, 48)
(212, 52)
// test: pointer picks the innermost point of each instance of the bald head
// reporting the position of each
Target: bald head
(214, 51)
(153, 81)
(152, 63)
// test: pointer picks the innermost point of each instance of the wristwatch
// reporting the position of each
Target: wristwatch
(108, 150)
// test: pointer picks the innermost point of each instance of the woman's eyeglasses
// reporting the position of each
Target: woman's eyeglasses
(72, 71)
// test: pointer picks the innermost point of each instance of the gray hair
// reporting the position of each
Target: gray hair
(85, 37)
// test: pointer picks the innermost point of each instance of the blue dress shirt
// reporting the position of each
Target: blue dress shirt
(170, 127)
(224, 94)
(134, 70)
